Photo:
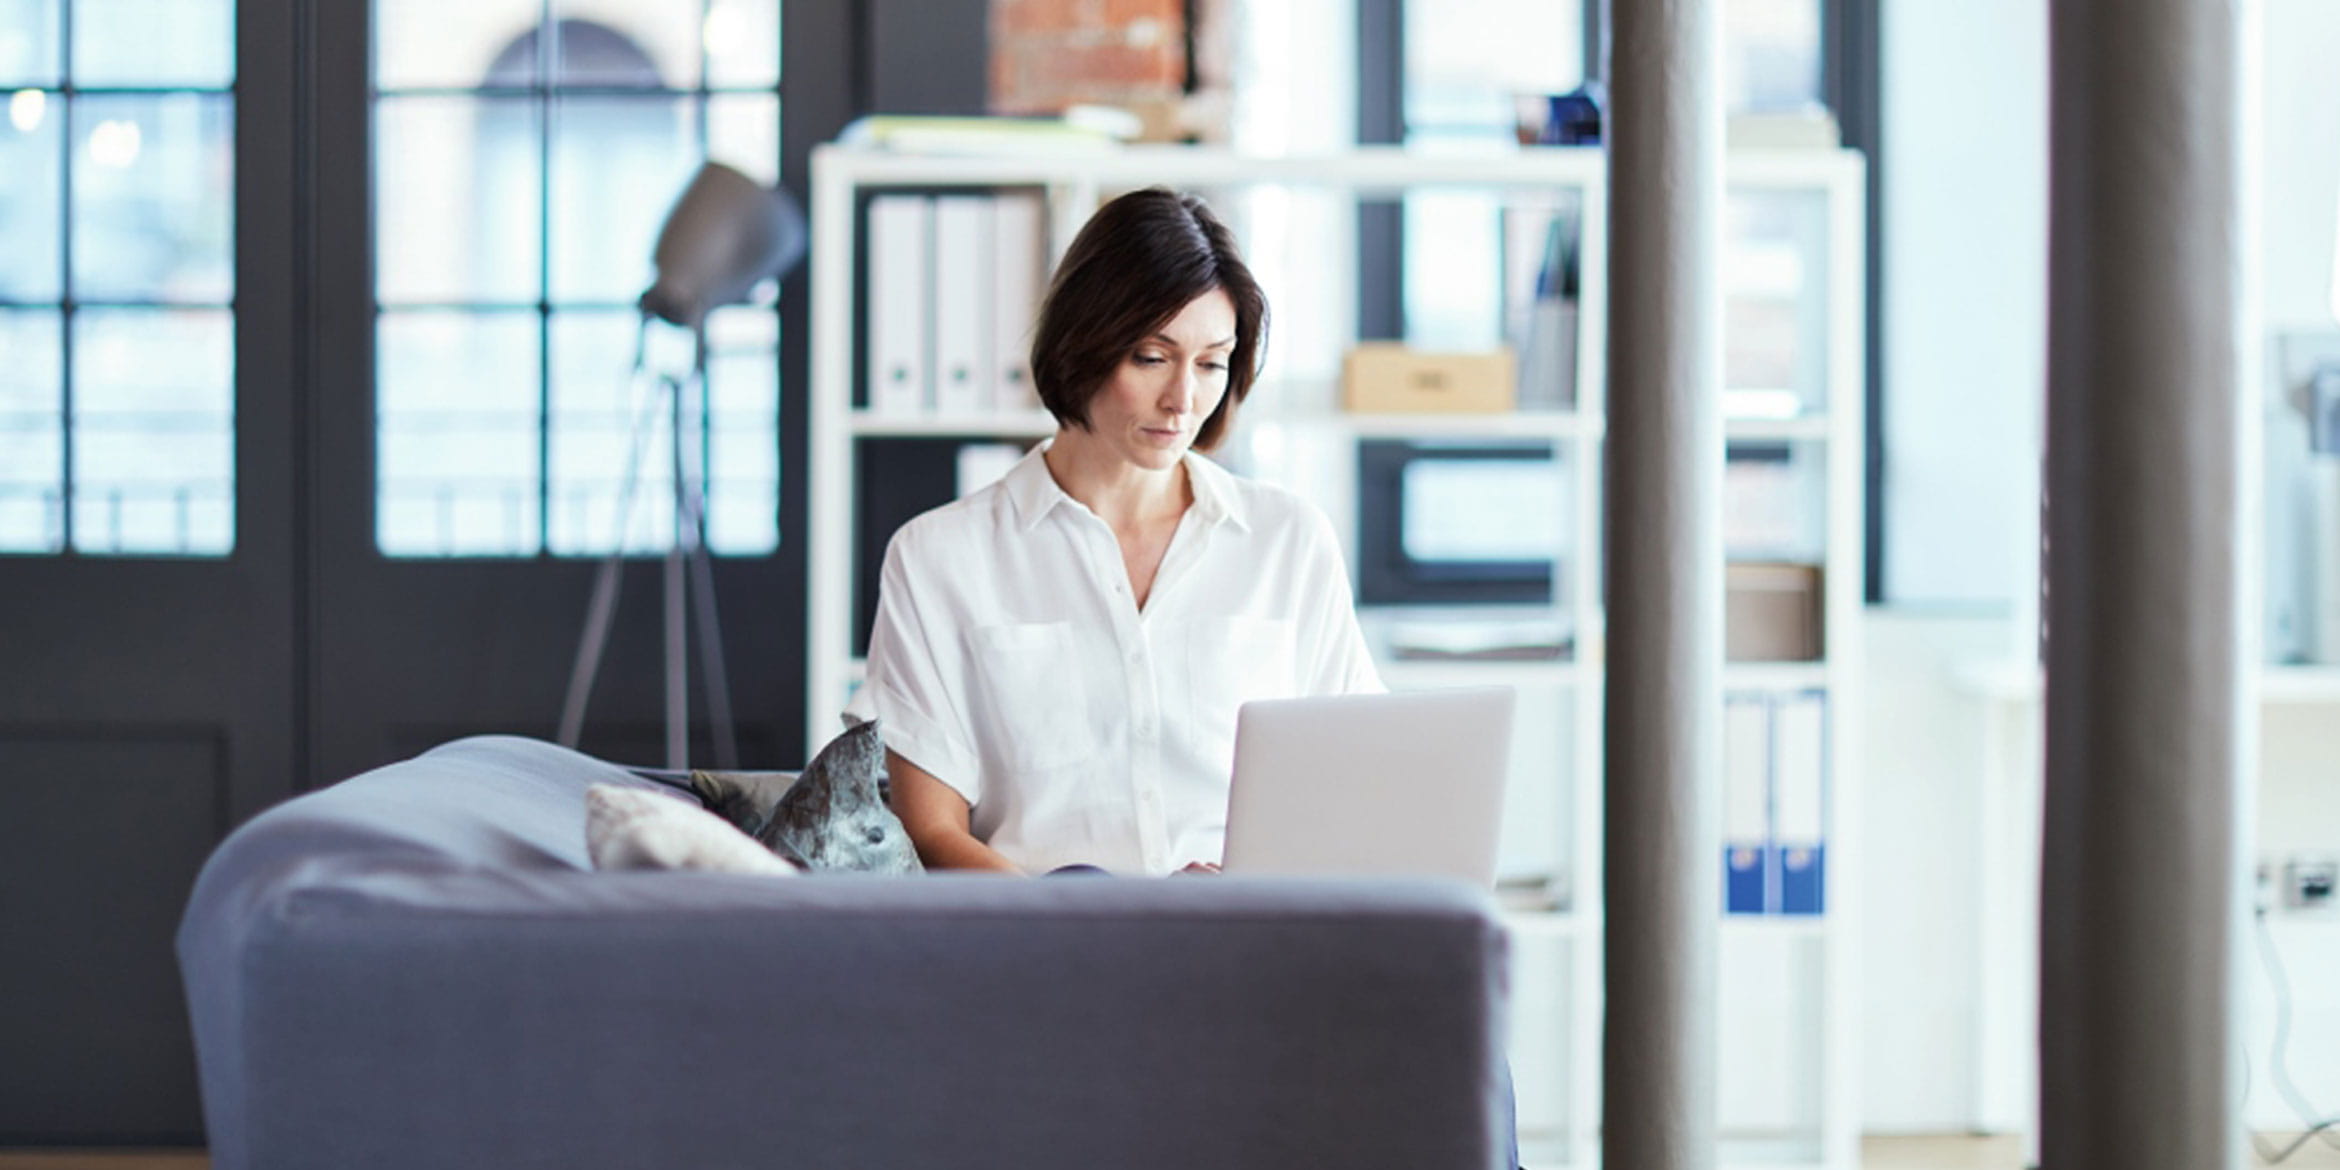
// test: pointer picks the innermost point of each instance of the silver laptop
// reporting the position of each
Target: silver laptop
(1371, 784)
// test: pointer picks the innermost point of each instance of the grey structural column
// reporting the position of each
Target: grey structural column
(1663, 872)
(2142, 643)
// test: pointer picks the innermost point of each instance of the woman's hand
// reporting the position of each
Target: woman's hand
(1198, 867)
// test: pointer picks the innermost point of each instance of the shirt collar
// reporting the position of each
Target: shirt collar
(1214, 492)
(1035, 492)
(1032, 489)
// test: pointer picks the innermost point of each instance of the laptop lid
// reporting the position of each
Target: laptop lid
(1378, 785)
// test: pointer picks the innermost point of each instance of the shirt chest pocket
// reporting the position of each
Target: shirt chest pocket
(1032, 711)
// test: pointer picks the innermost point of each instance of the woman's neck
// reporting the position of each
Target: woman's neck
(1123, 495)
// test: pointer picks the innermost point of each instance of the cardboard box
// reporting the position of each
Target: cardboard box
(1384, 376)
(1772, 612)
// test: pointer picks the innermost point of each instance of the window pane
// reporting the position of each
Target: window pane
(1771, 54)
(743, 131)
(29, 196)
(28, 42)
(153, 197)
(458, 197)
(647, 43)
(32, 433)
(743, 43)
(153, 431)
(454, 43)
(600, 415)
(1453, 279)
(1465, 59)
(618, 164)
(457, 424)
(743, 375)
(152, 43)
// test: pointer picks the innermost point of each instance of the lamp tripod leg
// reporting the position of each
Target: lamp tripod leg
(691, 532)
(718, 680)
(589, 647)
(607, 580)
(678, 682)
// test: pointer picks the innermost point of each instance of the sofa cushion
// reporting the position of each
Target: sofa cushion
(628, 828)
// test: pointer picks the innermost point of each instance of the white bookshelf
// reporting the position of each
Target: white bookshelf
(1557, 1001)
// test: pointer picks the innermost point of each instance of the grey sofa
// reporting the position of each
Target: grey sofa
(416, 968)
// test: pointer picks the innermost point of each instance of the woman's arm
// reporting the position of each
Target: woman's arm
(937, 819)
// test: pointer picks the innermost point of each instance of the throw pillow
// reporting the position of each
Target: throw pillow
(746, 799)
(835, 816)
(633, 828)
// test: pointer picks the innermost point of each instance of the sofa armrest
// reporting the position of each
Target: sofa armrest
(545, 1018)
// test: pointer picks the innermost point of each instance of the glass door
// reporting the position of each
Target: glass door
(147, 611)
(518, 160)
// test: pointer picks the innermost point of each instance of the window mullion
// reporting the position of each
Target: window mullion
(548, 64)
(65, 352)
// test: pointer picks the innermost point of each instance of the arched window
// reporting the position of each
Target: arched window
(516, 206)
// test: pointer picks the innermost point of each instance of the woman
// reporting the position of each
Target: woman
(1057, 660)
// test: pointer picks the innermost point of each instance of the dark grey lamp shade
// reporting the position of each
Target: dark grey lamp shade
(726, 233)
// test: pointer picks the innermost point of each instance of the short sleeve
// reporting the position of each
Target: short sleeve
(909, 686)
(1337, 662)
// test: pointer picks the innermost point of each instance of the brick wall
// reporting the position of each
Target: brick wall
(1048, 54)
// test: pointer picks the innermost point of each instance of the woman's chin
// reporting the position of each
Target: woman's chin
(1152, 451)
(1158, 458)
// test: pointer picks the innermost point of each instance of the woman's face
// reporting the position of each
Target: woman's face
(1157, 399)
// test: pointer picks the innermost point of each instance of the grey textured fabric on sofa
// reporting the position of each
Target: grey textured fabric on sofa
(416, 968)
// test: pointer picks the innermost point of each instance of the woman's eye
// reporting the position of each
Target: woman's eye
(1148, 359)
(1215, 367)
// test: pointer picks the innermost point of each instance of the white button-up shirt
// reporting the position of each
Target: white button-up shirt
(1010, 660)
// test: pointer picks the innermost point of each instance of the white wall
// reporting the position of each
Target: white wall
(1965, 289)
(1920, 826)
(1964, 304)
(2299, 802)
(2300, 100)
(2298, 812)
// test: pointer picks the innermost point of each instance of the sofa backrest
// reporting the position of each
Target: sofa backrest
(488, 802)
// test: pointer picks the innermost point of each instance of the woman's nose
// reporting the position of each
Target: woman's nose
(1179, 396)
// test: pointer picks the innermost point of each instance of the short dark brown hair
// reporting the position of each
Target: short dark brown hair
(1137, 262)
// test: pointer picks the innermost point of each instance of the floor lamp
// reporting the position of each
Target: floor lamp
(726, 234)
